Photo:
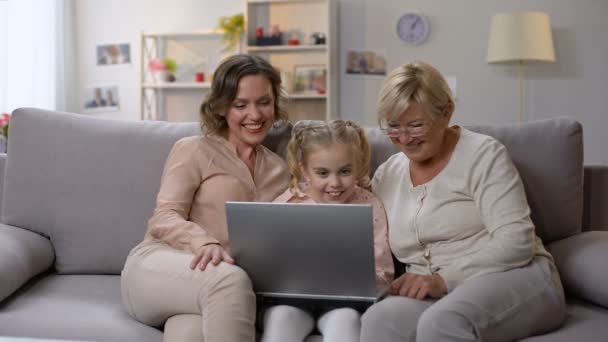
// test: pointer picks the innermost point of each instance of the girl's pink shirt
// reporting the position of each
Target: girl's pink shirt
(384, 260)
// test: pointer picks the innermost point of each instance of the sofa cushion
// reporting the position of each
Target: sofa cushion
(89, 184)
(583, 267)
(549, 157)
(23, 254)
(73, 307)
(584, 322)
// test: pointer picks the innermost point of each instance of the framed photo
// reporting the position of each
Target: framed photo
(366, 62)
(113, 54)
(310, 79)
(101, 98)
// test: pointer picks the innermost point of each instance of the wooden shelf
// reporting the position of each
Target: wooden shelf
(302, 18)
(254, 2)
(286, 48)
(178, 85)
(183, 34)
(307, 96)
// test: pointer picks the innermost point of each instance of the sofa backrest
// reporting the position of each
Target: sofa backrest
(549, 157)
(88, 184)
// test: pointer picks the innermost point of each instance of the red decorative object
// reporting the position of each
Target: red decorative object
(293, 42)
(259, 32)
(200, 77)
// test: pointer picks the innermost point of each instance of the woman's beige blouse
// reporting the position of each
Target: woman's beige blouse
(202, 173)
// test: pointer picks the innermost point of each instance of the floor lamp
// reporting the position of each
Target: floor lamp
(518, 38)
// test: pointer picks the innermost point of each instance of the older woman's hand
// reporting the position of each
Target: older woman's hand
(213, 253)
(419, 286)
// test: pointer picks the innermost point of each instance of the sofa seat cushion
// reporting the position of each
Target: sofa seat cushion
(73, 307)
(584, 322)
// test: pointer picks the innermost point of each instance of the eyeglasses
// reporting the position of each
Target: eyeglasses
(395, 130)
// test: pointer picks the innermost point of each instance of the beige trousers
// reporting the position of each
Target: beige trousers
(157, 283)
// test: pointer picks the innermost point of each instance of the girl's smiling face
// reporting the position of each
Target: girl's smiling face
(331, 173)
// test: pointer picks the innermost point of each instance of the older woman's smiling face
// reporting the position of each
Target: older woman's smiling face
(428, 141)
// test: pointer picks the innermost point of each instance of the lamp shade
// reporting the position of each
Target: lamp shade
(521, 36)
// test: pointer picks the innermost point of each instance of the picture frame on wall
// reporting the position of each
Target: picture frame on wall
(366, 62)
(101, 98)
(113, 54)
(310, 79)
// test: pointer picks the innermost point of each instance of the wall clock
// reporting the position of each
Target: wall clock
(413, 28)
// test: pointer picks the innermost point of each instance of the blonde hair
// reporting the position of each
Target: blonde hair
(224, 89)
(414, 82)
(310, 135)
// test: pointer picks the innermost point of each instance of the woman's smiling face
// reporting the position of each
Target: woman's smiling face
(251, 114)
(424, 146)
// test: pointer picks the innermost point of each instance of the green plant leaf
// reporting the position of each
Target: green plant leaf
(233, 27)
(170, 64)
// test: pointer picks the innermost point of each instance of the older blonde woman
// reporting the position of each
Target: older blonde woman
(460, 224)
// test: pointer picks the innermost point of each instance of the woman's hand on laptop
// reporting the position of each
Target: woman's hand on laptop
(419, 286)
(213, 253)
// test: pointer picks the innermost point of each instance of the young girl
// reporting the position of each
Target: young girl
(329, 163)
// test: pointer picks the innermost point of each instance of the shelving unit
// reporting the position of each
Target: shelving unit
(196, 51)
(305, 17)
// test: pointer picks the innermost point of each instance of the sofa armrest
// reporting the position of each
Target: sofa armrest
(582, 261)
(595, 196)
(23, 254)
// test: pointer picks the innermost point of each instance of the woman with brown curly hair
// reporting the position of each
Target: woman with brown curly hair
(184, 266)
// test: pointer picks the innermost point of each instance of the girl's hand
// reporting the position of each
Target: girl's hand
(419, 286)
(213, 253)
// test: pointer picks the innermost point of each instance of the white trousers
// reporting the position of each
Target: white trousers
(283, 323)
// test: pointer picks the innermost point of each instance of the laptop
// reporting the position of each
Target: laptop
(303, 253)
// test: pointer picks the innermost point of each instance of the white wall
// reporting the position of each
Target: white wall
(576, 85)
(119, 21)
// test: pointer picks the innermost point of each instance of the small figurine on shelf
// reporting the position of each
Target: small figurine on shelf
(274, 31)
(318, 38)
(294, 38)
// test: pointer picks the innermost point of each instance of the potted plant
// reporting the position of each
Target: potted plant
(163, 70)
(171, 67)
(233, 27)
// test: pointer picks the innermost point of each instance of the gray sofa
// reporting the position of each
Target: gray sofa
(78, 191)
